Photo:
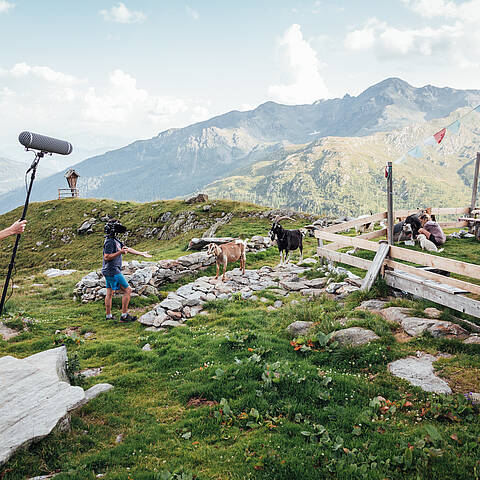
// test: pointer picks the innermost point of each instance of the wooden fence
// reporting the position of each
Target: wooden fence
(417, 280)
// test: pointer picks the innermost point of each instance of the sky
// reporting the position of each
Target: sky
(102, 74)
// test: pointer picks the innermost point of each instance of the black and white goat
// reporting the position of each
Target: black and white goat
(287, 240)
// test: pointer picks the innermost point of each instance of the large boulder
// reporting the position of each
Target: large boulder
(35, 398)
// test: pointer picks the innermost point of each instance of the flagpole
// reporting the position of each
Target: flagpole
(389, 204)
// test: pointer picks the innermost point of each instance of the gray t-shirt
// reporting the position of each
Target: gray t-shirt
(112, 267)
(436, 231)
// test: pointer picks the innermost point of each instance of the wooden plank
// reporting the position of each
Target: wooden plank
(340, 257)
(399, 253)
(331, 246)
(375, 267)
(420, 272)
(434, 211)
(341, 227)
(453, 224)
(450, 210)
(375, 234)
(347, 241)
(422, 289)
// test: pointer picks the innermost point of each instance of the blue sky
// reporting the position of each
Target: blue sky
(104, 73)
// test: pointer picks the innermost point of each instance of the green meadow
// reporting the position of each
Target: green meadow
(230, 395)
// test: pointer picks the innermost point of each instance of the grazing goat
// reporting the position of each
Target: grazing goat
(228, 253)
(287, 240)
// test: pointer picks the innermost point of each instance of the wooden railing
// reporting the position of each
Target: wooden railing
(67, 193)
(403, 276)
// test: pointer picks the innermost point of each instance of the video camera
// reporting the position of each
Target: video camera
(113, 227)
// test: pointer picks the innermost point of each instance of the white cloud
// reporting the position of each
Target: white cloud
(121, 14)
(193, 13)
(454, 41)
(364, 38)
(5, 6)
(109, 113)
(303, 67)
(22, 69)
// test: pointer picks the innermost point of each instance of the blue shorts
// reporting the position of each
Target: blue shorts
(116, 281)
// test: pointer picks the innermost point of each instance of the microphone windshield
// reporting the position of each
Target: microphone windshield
(45, 144)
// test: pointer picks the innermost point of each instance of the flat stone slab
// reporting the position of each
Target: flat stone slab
(419, 372)
(34, 398)
(354, 336)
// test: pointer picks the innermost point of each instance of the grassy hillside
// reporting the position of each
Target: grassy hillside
(228, 396)
(55, 225)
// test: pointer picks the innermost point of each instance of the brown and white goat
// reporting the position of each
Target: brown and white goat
(228, 253)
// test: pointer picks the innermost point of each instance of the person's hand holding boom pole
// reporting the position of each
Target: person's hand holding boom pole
(16, 228)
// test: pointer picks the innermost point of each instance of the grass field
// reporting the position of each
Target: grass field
(229, 397)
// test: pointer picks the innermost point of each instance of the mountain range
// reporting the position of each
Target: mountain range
(284, 155)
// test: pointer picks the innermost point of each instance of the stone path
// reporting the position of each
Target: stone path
(35, 398)
(187, 301)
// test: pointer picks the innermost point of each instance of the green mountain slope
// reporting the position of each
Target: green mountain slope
(346, 175)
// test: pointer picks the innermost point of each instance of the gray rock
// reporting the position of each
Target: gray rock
(474, 398)
(171, 304)
(293, 286)
(34, 399)
(119, 438)
(91, 372)
(211, 297)
(472, 339)
(419, 372)
(86, 226)
(394, 314)
(333, 287)
(246, 295)
(299, 328)
(6, 332)
(433, 312)
(195, 298)
(312, 292)
(316, 282)
(308, 261)
(147, 347)
(372, 305)
(354, 336)
(96, 390)
(148, 318)
(55, 272)
(277, 303)
(185, 291)
(172, 323)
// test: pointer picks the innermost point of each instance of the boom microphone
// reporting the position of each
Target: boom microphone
(45, 144)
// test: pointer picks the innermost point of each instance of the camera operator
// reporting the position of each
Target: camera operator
(13, 229)
(113, 249)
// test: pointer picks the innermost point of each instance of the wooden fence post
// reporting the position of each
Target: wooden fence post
(390, 220)
(475, 184)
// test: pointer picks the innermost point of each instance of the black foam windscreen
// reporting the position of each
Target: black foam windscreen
(45, 144)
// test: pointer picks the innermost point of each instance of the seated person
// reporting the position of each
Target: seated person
(432, 230)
